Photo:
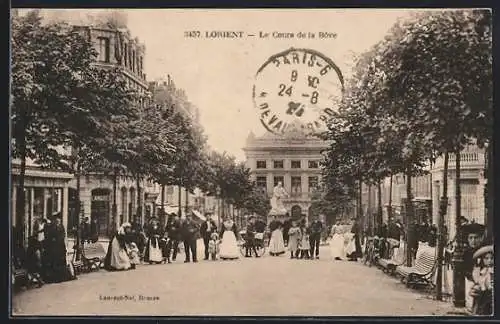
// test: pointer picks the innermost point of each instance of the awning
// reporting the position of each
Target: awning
(171, 209)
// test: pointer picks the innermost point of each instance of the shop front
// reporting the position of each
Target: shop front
(46, 194)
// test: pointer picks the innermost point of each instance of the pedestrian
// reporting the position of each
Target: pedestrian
(356, 231)
(229, 245)
(482, 291)
(472, 235)
(117, 257)
(250, 238)
(293, 240)
(214, 245)
(85, 230)
(173, 230)
(315, 237)
(190, 232)
(206, 229)
(286, 226)
(56, 269)
(152, 253)
(337, 242)
(94, 230)
(137, 233)
(276, 244)
(304, 243)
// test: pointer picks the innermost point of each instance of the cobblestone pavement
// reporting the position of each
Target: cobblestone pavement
(248, 286)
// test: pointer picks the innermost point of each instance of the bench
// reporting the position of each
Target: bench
(389, 265)
(422, 272)
(93, 257)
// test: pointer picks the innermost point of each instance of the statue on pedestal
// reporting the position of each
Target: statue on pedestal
(277, 207)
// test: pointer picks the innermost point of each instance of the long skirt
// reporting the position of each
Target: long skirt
(293, 243)
(276, 244)
(118, 257)
(337, 246)
(229, 246)
(153, 251)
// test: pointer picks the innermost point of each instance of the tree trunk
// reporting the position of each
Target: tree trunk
(389, 208)
(114, 207)
(443, 206)
(186, 203)
(379, 203)
(163, 201)
(139, 200)
(179, 199)
(21, 195)
(490, 192)
(78, 214)
(369, 213)
(360, 200)
(458, 269)
(409, 220)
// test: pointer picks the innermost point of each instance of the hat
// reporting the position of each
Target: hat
(482, 251)
(473, 229)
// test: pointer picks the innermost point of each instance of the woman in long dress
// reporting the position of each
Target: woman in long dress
(153, 252)
(229, 246)
(117, 257)
(337, 242)
(276, 243)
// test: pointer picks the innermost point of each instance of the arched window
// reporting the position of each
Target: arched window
(124, 206)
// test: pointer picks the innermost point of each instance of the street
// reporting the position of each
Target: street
(261, 287)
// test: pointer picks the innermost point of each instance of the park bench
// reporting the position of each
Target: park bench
(93, 256)
(421, 274)
(389, 265)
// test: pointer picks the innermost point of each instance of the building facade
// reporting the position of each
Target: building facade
(292, 159)
(108, 199)
(428, 189)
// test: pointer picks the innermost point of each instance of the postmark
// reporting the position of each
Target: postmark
(297, 87)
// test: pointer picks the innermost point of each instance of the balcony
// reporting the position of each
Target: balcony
(469, 159)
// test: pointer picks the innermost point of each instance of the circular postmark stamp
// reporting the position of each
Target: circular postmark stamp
(297, 87)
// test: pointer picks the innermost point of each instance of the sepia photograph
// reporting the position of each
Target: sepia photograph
(251, 162)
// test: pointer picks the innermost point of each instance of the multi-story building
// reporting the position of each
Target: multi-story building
(428, 189)
(102, 197)
(292, 159)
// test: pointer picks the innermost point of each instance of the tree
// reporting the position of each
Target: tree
(444, 80)
(58, 96)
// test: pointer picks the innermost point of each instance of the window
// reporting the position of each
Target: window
(125, 54)
(141, 61)
(313, 164)
(296, 186)
(278, 179)
(313, 183)
(124, 205)
(104, 49)
(296, 164)
(278, 164)
(261, 183)
(133, 61)
(261, 164)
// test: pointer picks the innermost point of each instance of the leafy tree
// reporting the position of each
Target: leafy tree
(58, 96)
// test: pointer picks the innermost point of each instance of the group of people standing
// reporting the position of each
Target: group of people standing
(296, 236)
(345, 241)
(45, 257)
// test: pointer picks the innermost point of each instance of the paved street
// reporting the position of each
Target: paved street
(265, 286)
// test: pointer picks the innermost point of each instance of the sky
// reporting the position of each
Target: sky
(218, 74)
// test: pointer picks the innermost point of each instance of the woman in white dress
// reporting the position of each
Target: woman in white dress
(337, 242)
(228, 249)
(276, 243)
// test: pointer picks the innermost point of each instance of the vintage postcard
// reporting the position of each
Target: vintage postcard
(251, 162)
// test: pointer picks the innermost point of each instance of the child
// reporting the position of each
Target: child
(482, 291)
(213, 245)
(293, 240)
(304, 244)
(133, 254)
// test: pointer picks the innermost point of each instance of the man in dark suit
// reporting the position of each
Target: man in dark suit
(190, 232)
(315, 237)
(206, 229)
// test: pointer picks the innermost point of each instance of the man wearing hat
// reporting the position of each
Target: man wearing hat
(250, 238)
(472, 237)
(206, 229)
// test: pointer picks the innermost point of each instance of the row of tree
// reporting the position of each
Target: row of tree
(424, 91)
(71, 114)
